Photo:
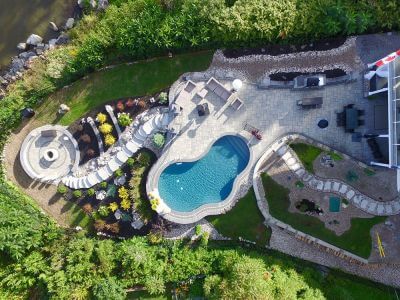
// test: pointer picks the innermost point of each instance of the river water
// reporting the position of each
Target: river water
(20, 18)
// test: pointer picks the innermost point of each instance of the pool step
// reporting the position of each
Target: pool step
(240, 147)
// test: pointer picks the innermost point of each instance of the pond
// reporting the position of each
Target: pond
(20, 18)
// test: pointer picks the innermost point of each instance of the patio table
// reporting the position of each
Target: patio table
(351, 118)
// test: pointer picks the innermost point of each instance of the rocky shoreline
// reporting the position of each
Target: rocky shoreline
(35, 47)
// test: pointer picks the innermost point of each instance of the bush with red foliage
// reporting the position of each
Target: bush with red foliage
(142, 104)
(113, 227)
(120, 105)
(99, 225)
(79, 128)
(130, 103)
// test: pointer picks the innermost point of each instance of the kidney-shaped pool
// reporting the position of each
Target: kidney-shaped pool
(186, 186)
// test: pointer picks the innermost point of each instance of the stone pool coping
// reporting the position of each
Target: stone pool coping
(205, 209)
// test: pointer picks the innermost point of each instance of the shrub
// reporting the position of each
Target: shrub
(142, 104)
(103, 211)
(90, 152)
(126, 204)
(113, 206)
(154, 238)
(204, 239)
(113, 227)
(124, 119)
(77, 193)
(101, 118)
(87, 208)
(109, 140)
(130, 103)
(163, 98)
(197, 229)
(120, 105)
(99, 225)
(144, 159)
(119, 173)
(62, 189)
(103, 184)
(105, 128)
(158, 140)
(86, 138)
(91, 192)
(130, 162)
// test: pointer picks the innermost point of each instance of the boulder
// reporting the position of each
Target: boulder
(80, 3)
(102, 4)
(26, 55)
(62, 39)
(53, 26)
(21, 46)
(70, 23)
(93, 4)
(3, 81)
(34, 39)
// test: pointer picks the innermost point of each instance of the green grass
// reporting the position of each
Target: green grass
(356, 240)
(243, 220)
(307, 154)
(335, 156)
(76, 216)
(141, 78)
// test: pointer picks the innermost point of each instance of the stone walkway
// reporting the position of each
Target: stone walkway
(289, 244)
(180, 231)
(340, 188)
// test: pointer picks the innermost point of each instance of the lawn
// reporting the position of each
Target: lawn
(356, 240)
(127, 80)
(243, 220)
(307, 154)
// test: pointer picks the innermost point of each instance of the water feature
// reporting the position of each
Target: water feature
(189, 185)
(20, 18)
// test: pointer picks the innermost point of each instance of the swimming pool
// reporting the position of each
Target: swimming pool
(186, 186)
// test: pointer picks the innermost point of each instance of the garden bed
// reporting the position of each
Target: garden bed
(101, 211)
(274, 50)
(289, 76)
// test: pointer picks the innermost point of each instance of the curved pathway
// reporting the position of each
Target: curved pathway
(121, 154)
(338, 187)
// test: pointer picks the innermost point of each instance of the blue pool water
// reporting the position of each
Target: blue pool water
(188, 185)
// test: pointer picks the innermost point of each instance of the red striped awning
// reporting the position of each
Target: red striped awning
(387, 59)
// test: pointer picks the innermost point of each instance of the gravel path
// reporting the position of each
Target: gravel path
(384, 273)
(44, 194)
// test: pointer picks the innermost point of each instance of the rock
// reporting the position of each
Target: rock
(34, 39)
(80, 3)
(26, 55)
(102, 4)
(53, 26)
(39, 51)
(62, 39)
(70, 23)
(3, 81)
(17, 64)
(93, 3)
(21, 46)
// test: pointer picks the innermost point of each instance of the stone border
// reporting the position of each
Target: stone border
(31, 136)
(206, 209)
(263, 206)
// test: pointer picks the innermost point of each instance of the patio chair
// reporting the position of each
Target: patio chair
(361, 122)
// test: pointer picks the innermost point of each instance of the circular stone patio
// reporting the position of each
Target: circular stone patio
(49, 153)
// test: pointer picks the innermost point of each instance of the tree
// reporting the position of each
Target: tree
(109, 289)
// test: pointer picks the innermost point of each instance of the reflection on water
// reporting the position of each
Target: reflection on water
(20, 18)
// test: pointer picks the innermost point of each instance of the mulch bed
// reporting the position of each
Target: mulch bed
(289, 76)
(274, 50)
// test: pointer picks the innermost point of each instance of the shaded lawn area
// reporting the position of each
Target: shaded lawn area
(77, 217)
(356, 240)
(307, 154)
(243, 220)
(137, 79)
